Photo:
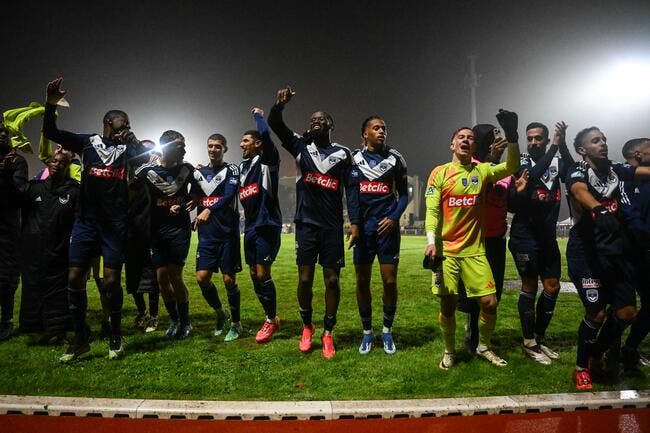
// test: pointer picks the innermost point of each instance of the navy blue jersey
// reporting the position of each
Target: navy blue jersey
(321, 175)
(259, 176)
(605, 188)
(537, 208)
(635, 212)
(104, 188)
(217, 187)
(378, 187)
(167, 187)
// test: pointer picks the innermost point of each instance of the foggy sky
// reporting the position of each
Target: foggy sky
(199, 66)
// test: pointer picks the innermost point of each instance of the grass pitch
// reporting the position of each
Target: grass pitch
(204, 367)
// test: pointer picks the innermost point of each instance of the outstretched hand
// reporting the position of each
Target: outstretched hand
(521, 182)
(559, 136)
(257, 110)
(53, 92)
(509, 122)
(284, 95)
(352, 235)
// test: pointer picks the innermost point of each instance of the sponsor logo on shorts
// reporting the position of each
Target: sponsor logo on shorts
(521, 257)
(373, 187)
(248, 191)
(321, 180)
(544, 195)
(107, 172)
(611, 205)
(209, 201)
(462, 200)
(168, 201)
(590, 283)
(592, 295)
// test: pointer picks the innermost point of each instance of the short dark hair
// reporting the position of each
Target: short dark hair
(255, 134)
(532, 125)
(217, 136)
(580, 136)
(112, 114)
(170, 136)
(460, 129)
(369, 119)
(632, 146)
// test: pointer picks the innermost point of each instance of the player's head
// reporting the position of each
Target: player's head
(537, 138)
(374, 131)
(150, 145)
(5, 138)
(637, 151)
(217, 146)
(462, 144)
(172, 144)
(591, 143)
(58, 164)
(320, 124)
(251, 143)
(115, 121)
(484, 137)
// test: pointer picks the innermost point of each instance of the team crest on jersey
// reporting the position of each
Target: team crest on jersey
(474, 180)
(217, 179)
(464, 181)
(552, 170)
(332, 160)
(208, 177)
(430, 191)
(383, 166)
(64, 200)
(592, 295)
(170, 179)
(577, 175)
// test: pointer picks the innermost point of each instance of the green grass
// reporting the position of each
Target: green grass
(207, 368)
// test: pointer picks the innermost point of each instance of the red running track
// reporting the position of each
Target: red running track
(592, 421)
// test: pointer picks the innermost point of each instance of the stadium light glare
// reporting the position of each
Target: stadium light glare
(623, 84)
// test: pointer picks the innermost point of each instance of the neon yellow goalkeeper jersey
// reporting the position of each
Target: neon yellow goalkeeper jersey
(454, 205)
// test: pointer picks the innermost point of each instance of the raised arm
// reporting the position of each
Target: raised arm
(432, 223)
(287, 137)
(67, 140)
(270, 153)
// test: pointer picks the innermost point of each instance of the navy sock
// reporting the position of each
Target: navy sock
(526, 307)
(172, 309)
(544, 313)
(115, 300)
(184, 312)
(154, 299)
(365, 312)
(78, 304)
(268, 298)
(587, 334)
(329, 322)
(211, 296)
(389, 315)
(138, 298)
(234, 301)
(305, 315)
(639, 329)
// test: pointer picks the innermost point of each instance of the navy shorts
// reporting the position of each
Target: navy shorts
(370, 244)
(169, 245)
(261, 245)
(601, 280)
(322, 244)
(535, 258)
(215, 255)
(92, 238)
